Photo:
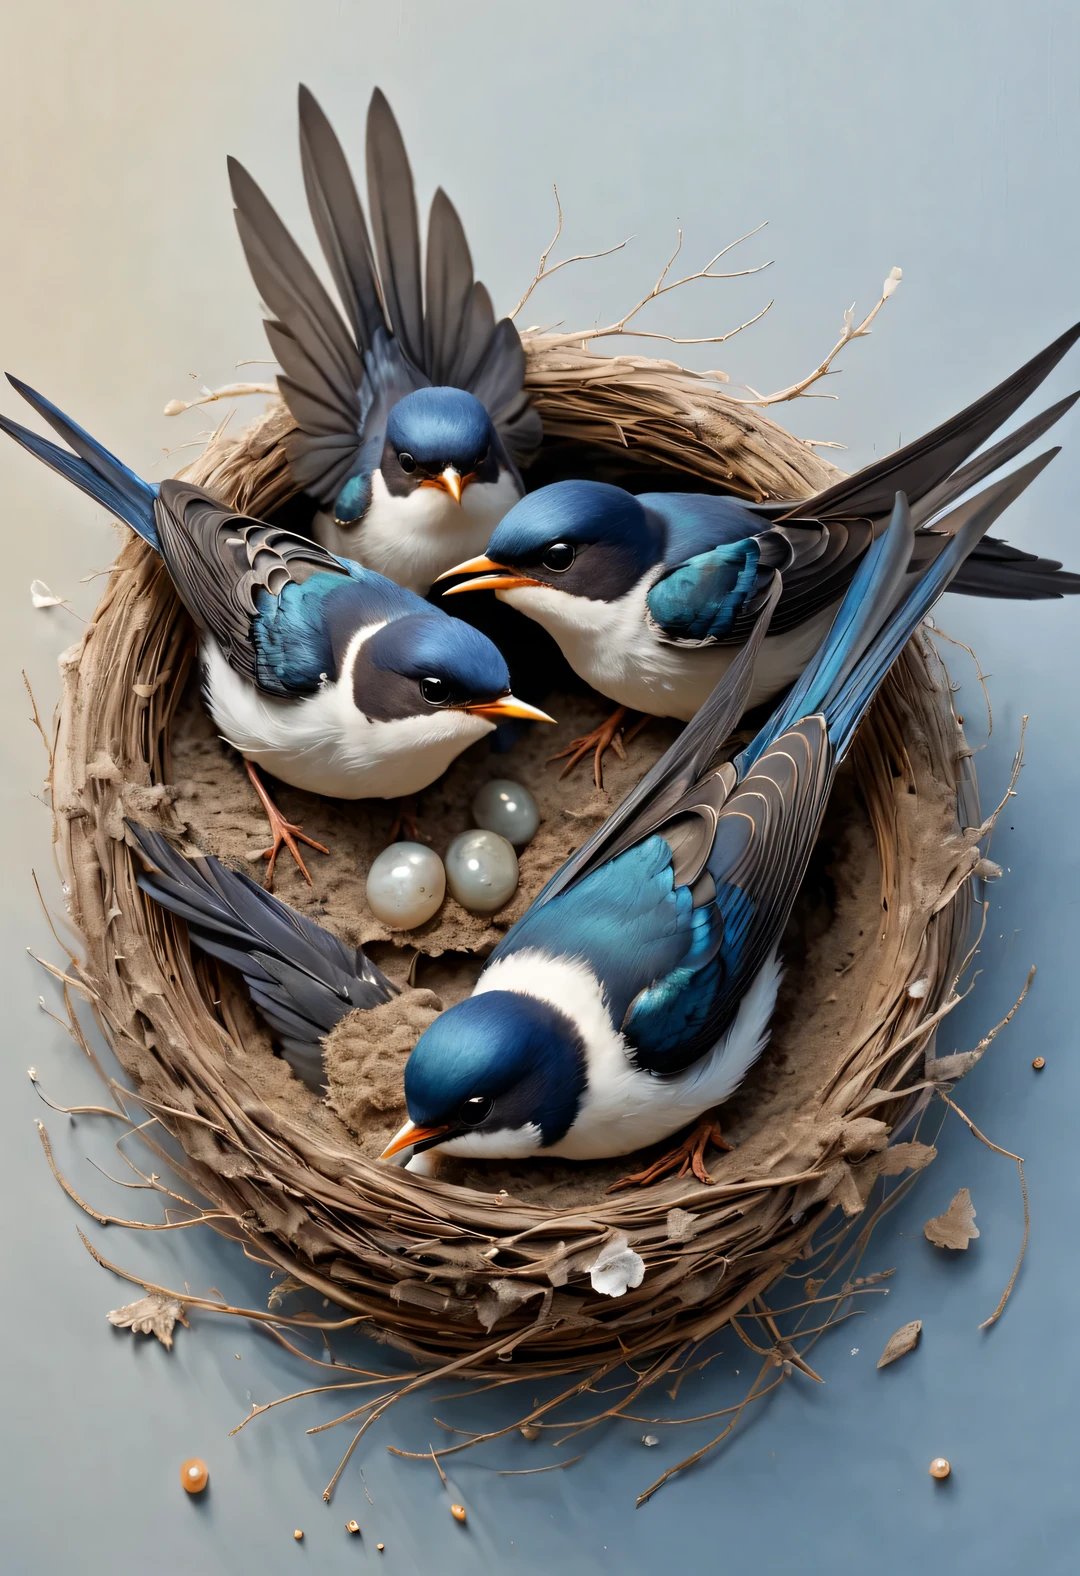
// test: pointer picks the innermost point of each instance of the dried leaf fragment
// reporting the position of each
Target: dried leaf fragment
(151, 1315)
(902, 1341)
(956, 1228)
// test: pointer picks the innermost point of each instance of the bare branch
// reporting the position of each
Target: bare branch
(542, 269)
(851, 331)
(664, 286)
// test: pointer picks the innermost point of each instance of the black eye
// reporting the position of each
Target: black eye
(435, 691)
(406, 462)
(475, 1111)
(559, 557)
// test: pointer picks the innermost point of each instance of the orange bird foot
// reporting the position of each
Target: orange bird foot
(609, 735)
(687, 1156)
(284, 833)
(405, 820)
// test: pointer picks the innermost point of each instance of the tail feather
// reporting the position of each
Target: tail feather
(997, 569)
(921, 466)
(845, 706)
(301, 979)
(991, 460)
(884, 605)
(91, 467)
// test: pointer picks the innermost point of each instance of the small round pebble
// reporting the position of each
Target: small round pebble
(1039, 1063)
(458, 1512)
(380, 1547)
(481, 871)
(939, 1467)
(649, 1439)
(298, 1535)
(194, 1475)
(405, 885)
(507, 808)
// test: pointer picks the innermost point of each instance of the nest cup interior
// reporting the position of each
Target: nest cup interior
(492, 1259)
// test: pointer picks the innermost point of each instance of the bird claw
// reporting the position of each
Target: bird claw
(606, 735)
(689, 1156)
(285, 833)
(405, 820)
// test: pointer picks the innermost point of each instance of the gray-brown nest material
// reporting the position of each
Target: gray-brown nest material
(485, 1265)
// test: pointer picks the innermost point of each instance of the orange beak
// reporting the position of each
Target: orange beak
(450, 481)
(497, 577)
(410, 1134)
(504, 708)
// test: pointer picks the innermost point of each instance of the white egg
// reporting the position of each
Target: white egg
(507, 808)
(405, 885)
(481, 871)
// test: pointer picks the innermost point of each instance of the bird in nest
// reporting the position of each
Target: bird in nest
(330, 676)
(650, 597)
(411, 418)
(637, 990)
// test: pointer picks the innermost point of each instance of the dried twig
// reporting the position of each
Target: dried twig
(227, 391)
(1007, 1293)
(851, 331)
(544, 272)
(36, 719)
(556, 1466)
(664, 286)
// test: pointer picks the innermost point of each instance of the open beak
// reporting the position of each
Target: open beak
(411, 1134)
(491, 577)
(505, 707)
(450, 481)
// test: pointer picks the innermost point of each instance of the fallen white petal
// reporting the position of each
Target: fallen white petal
(616, 1268)
(41, 596)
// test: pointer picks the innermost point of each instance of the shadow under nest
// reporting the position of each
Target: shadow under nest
(489, 1263)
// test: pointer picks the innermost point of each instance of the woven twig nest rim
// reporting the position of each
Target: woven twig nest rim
(458, 1274)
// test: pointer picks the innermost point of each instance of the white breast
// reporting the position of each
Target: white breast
(324, 744)
(623, 1109)
(614, 647)
(413, 540)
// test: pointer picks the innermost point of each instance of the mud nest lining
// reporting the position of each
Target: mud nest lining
(490, 1262)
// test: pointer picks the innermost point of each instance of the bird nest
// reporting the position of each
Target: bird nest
(489, 1264)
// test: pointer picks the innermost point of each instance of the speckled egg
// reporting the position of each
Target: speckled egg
(481, 871)
(405, 885)
(507, 808)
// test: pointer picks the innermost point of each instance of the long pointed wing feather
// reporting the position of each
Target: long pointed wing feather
(302, 979)
(395, 226)
(339, 220)
(923, 465)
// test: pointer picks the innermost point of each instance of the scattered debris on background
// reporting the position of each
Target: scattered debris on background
(902, 1341)
(194, 1475)
(458, 1512)
(1039, 1063)
(956, 1228)
(41, 596)
(154, 1314)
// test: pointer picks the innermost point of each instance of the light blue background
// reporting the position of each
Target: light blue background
(941, 137)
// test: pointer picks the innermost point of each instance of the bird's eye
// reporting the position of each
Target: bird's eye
(475, 1111)
(435, 691)
(559, 557)
(406, 462)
